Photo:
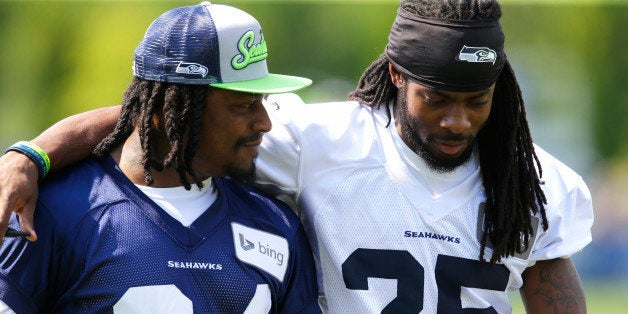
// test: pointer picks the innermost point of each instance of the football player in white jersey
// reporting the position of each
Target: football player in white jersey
(425, 192)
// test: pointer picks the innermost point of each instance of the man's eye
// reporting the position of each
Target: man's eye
(248, 105)
(479, 103)
(433, 101)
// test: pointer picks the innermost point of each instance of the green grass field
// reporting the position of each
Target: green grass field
(601, 299)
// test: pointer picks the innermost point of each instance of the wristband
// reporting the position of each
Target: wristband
(34, 153)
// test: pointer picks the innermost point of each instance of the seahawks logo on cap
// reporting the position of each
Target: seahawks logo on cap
(191, 69)
(476, 54)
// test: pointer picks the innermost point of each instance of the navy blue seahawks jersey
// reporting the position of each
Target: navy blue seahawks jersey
(103, 246)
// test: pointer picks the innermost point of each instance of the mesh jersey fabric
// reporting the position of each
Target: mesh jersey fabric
(382, 240)
(103, 244)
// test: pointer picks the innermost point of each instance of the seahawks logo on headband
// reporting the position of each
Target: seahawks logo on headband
(476, 54)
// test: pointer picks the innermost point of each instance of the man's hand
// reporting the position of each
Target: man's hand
(553, 286)
(18, 192)
(66, 142)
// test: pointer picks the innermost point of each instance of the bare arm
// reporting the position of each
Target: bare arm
(553, 286)
(66, 142)
(73, 138)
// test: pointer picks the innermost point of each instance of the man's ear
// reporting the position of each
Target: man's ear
(395, 76)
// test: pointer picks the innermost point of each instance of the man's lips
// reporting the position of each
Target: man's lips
(250, 141)
(253, 144)
(451, 147)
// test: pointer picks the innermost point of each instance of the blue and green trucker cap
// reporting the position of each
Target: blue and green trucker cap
(210, 44)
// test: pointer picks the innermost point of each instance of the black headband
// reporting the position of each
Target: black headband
(458, 56)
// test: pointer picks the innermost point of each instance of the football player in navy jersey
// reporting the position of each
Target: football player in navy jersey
(159, 221)
(422, 194)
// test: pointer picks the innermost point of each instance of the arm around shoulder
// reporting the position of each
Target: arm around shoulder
(74, 137)
(66, 142)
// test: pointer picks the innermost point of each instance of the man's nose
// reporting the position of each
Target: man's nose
(456, 119)
(262, 122)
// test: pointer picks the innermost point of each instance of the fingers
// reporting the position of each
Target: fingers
(18, 191)
(5, 215)
(7, 206)
(26, 219)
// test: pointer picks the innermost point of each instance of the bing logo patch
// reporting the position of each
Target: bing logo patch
(261, 249)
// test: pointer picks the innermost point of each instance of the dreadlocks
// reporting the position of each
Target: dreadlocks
(181, 106)
(507, 158)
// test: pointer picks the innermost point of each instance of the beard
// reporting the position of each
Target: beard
(243, 175)
(420, 146)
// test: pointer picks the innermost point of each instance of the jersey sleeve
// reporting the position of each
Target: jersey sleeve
(279, 157)
(301, 290)
(570, 220)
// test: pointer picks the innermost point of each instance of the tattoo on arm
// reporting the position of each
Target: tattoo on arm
(559, 287)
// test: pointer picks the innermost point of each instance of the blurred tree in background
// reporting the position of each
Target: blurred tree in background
(63, 57)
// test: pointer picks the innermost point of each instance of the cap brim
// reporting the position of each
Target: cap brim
(271, 84)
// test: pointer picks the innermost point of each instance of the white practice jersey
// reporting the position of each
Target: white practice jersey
(385, 237)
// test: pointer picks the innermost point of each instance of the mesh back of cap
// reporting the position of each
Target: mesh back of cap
(180, 46)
